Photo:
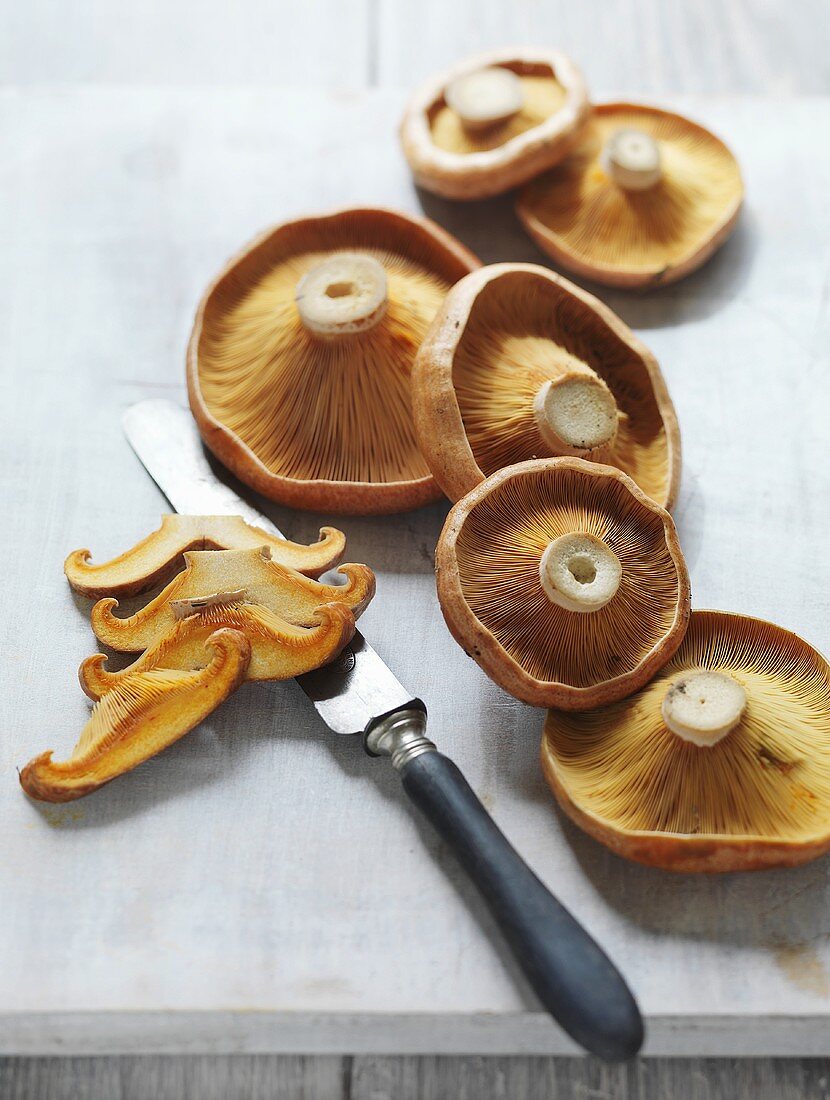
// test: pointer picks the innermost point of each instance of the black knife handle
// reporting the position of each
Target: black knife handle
(572, 976)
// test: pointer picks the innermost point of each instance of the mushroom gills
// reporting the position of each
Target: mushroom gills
(485, 97)
(703, 707)
(344, 294)
(632, 159)
(579, 572)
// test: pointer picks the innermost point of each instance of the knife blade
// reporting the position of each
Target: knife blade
(574, 979)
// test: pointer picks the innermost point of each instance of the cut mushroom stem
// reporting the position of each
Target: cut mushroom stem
(632, 159)
(344, 294)
(197, 605)
(485, 97)
(576, 414)
(579, 572)
(703, 707)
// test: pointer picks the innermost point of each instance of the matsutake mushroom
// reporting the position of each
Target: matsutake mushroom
(721, 763)
(145, 713)
(564, 581)
(493, 122)
(518, 364)
(299, 361)
(157, 557)
(645, 198)
(222, 578)
(279, 649)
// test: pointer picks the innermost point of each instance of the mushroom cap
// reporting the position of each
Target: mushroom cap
(309, 421)
(581, 218)
(501, 332)
(491, 593)
(760, 797)
(453, 161)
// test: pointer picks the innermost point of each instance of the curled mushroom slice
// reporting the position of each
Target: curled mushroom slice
(156, 558)
(519, 364)
(222, 578)
(563, 581)
(301, 352)
(493, 121)
(720, 763)
(279, 650)
(645, 198)
(145, 713)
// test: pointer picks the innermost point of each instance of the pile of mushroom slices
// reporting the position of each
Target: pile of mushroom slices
(624, 194)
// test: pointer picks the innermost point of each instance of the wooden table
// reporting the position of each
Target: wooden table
(263, 887)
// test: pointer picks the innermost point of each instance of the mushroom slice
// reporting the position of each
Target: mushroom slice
(300, 357)
(645, 198)
(563, 581)
(493, 121)
(224, 578)
(279, 649)
(721, 763)
(145, 713)
(156, 558)
(520, 364)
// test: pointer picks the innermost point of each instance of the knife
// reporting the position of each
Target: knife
(357, 694)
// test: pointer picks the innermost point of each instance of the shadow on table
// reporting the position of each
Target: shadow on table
(491, 229)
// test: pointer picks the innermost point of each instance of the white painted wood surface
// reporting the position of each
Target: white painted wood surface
(263, 886)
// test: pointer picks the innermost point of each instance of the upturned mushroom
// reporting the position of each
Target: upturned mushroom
(145, 713)
(224, 578)
(720, 763)
(158, 556)
(299, 361)
(493, 121)
(519, 364)
(563, 581)
(645, 198)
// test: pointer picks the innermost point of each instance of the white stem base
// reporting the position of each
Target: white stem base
(580, 572)
(576, 414)
(485, 98)
(703, 707)
(632, 159)
(342, 295)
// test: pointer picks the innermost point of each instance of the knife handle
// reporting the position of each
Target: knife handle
(572, 976)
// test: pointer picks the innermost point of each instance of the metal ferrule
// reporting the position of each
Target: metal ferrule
(401, 736)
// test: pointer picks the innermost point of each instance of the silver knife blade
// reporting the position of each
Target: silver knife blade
(349, 693)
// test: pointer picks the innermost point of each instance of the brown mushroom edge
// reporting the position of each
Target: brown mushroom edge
(378, 228)
(485, 649)
(482, 174)
(628, 276)
(438, 419)
(709, 852)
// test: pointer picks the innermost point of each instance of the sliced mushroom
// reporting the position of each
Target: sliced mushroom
(300, 357)
(721, 763)
(563, 581)
(222, 579)
(157, 557)
(519, 364)
(645, 198)
(493, 122)
(279, 649)
(145, 713)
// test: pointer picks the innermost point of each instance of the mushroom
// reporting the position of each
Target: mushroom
(156, 558)
(563, 581)
(144, 714)
(299, 361)
(518, 364)
(721, 763)
(645, 198)
(493, 122)
(222, 578)
(279, 649)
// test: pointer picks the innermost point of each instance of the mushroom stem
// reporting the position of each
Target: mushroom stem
(485, 97)
(703, 707)
(579, 572)
(632, 159)
(576, 414)
(344, 294)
